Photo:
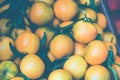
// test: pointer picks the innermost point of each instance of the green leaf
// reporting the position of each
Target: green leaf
(15, 52)
(25, 77)
(110, 58)
(116, 64)
(16, 35)
(99, 37)
(92, 4)
(43, 40)
(115, 76)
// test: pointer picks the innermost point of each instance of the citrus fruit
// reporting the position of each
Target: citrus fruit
(32, 66)
(41, 13)
(60, 74)
(99, 30)
(101, 20)
(109, 36)
(49, 34)
(65, 23)
(50, 56)
(56, 22)
(8, 70)
(84, 32)
(96, 52)
(65, 10)
(76, 65)
(97, 72)
(5, 51)
(4, 26)
(50, 2)
(27, 43)
(90, 13)
(117, 67)
(61, 45)
(79, 49)
(87, 2)
(17, 78)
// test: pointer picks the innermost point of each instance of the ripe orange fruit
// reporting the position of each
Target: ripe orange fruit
(84, 32)
(60, 74)
(96, 52)
(116, 67)
(5, 51)
(90, 13)
(50, 56)
(17, 78)
(17, 61)
(109, 36)
(18, 31)
(65, 23)
(97, 72)
(111, 46)
(27, 43)
(76, 65)
(79, 49)
(65, 10)
(50, 2)
(56, 22)
(32, 66)
(87, 2)
(99, 29)
(41, 13)
(49, 34)
(101, 20)
(61, 45)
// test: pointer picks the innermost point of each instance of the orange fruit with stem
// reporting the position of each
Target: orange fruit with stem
(27, 43)
(109, 36)
(65, 10)
(84, 32)
(90, 13)
(96, 52)
(111, 46)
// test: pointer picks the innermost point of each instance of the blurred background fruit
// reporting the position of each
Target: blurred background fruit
(5, 27)
(5, 51)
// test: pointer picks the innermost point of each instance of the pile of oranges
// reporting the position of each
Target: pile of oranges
(62, 40)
